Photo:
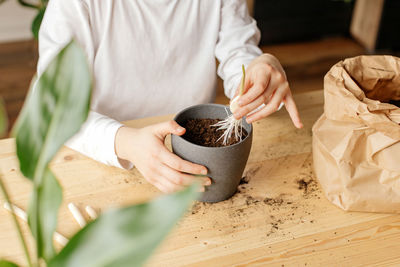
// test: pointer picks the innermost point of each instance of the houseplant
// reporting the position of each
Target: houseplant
(52, 113)
(225, 164)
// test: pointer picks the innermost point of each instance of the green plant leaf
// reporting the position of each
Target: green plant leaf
(3, 119)
(4, 263)
(242, 82)
(37, 21)
(26, 4)
(56, 106)
(42, 215)
(126, 236)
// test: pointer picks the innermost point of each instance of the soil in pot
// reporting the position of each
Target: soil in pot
(395, 102)
(201, 132)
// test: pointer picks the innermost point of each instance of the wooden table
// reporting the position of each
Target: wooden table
(272, 220)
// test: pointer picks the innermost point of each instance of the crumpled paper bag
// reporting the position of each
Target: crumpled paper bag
(356, 142)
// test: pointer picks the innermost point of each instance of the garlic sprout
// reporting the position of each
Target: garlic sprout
(231, 125)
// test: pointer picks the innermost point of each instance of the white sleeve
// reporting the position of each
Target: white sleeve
(237, 43)
(63, 21)
(96, 139)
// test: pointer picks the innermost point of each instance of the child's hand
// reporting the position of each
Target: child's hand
(146, 150)
(266, 84)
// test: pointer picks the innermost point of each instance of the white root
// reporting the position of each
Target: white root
(77, 215)
(91, 212)
(230, 126)
(59, 238)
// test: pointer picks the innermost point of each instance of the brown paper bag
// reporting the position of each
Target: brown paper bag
(356, 142)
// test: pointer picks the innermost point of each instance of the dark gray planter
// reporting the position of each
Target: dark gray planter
(225, 164)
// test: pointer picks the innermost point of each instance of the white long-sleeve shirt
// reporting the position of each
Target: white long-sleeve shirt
(148, 57)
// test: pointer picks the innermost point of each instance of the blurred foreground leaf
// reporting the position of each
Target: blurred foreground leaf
(126, 236)
(56, 107)
(43, 211)
(4, 263)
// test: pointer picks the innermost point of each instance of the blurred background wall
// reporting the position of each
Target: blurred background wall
(292, 21)
(308, 37)
(15, 22)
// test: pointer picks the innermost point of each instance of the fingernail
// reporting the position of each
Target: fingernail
(207, 181)
(202, 189)
(249, 121)
(204, 171)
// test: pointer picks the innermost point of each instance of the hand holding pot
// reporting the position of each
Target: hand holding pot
(266, 83)
(145, 148)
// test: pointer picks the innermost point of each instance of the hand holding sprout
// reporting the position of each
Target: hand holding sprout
(262, 91)
(231, 125)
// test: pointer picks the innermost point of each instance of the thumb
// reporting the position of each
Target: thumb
(169, 127)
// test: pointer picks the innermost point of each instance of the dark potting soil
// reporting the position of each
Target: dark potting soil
(200, 132)
(395, 102)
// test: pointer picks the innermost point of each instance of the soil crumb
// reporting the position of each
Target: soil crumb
(249, 174)
(244, 180)
(308, 185)
(196, 208)
(273, 201)
(251, 200)
(201, 132)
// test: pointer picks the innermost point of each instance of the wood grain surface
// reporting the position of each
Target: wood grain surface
(279, 217)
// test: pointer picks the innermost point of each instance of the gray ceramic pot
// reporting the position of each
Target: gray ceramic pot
(225, 164)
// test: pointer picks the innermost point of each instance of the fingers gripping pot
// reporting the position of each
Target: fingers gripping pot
(225, 164)
(356, 142)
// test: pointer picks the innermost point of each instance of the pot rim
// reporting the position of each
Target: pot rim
(206, 147)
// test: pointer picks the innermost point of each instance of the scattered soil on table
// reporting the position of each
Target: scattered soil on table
(201, 132)
(280, 210)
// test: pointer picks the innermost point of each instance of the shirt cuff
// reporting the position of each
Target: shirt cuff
(114, 160)
(96, 139)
